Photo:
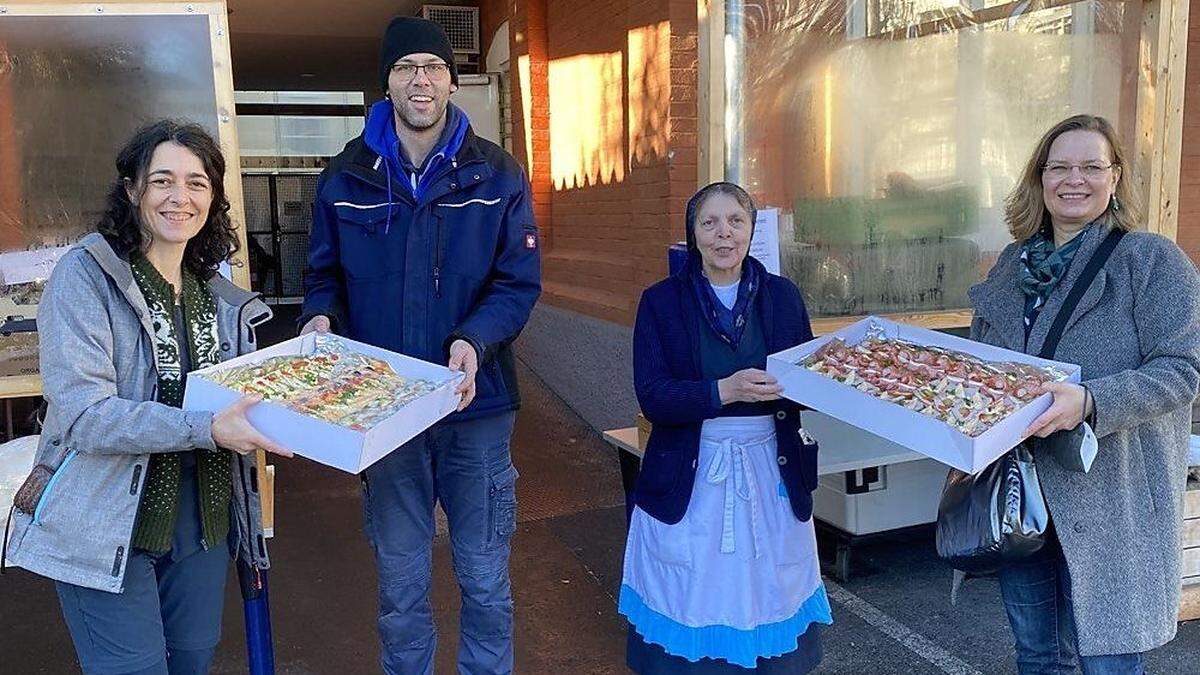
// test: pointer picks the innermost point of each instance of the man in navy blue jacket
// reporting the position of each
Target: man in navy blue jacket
(423, 243)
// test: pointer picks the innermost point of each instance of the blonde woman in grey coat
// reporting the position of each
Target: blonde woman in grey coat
(1106, 587)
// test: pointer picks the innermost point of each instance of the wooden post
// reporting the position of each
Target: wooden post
(218, 25)
(222, 64)
(1158, 137)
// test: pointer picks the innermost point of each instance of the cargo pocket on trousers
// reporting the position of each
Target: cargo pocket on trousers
(502, 505)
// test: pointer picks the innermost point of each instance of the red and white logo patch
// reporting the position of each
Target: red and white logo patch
(530, 241)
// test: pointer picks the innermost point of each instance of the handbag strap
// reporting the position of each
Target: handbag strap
(1077, 290)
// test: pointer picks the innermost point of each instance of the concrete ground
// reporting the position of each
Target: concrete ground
(892, 616)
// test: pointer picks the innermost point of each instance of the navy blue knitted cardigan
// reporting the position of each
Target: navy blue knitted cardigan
(676, 400)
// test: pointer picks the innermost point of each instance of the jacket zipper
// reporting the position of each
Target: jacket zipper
(4, 541)
(437, 246)
(250, 342)
(437, 259)
(37, 510)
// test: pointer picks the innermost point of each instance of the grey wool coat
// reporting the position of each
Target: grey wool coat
(99, 380)
(1136, 336)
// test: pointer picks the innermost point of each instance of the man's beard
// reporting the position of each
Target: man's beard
(418, 125)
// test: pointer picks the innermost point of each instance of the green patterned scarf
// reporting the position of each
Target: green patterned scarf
(1042, 268)
(160, 497)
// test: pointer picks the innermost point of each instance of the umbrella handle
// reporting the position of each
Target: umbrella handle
(260, 650)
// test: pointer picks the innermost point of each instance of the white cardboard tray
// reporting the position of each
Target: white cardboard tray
(924, 434)
(322, 441)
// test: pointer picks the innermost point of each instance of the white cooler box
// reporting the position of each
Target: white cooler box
(869, 484)
(877, 499)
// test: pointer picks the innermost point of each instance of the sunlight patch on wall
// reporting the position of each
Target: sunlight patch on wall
(649, 91)
(587, 135)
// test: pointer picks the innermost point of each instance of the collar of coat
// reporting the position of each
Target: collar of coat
(998, 300)
(360, 160)
(250, 305)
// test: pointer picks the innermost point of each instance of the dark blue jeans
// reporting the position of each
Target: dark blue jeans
(467, 467)
(1037, 597)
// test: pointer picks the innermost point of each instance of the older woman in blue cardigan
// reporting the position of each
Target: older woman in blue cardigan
(721, 571)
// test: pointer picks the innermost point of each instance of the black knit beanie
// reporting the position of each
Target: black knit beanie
(409, 35)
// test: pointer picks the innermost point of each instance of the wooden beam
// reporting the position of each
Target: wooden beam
(17, 386)
(222, 65)
(59, 8)
(711, 90)
(227, 136)
(957, 18)
(1191, 500)
(1191, 562)
(1191, 533)
(932, 320)
(266, 492)
(1158, 136)
(1189, 607)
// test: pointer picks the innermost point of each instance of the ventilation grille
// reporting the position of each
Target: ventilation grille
(460, 23)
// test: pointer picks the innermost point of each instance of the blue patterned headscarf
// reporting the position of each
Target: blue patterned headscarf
(727, 323)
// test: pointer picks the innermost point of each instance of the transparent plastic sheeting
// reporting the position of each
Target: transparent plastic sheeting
(72, 91)
(889, 132)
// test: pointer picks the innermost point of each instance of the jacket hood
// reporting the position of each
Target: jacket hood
(118, 270)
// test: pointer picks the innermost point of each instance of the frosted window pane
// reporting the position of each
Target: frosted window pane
(72, 90)
(889, 132)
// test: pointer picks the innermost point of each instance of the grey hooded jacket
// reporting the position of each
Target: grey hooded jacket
(1136, 335)
(102, 423)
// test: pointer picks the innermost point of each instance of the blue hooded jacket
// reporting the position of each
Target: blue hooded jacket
(412, 258)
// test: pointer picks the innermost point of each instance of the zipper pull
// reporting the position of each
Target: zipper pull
(437, 282)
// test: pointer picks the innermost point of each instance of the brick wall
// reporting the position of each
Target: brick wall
(1189, 175)
(611, 130)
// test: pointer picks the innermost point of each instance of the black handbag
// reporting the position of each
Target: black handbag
(1000, 515)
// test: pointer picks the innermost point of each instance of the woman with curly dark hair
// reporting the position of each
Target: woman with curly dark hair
(132, 499)
(127, 230)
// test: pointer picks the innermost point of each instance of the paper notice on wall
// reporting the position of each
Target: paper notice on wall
(764, 246)
(22, 267)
